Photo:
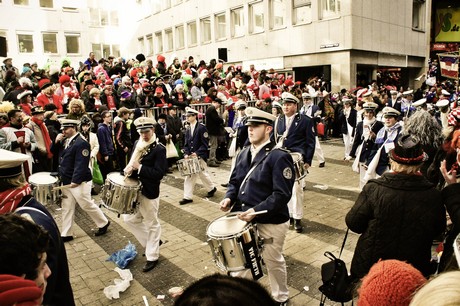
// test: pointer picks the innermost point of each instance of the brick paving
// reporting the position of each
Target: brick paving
(185, 256)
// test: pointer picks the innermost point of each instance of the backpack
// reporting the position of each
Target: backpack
(336, 281)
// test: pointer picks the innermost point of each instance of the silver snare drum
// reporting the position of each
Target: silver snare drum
(43, 184)
(120, 194)
(189, 166)
(298, 165)
(234, 244)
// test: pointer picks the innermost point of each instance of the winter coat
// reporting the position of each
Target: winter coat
(398, 216)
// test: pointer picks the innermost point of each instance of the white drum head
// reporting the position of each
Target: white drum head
(225, 226)
(119, 179)
(42, 178)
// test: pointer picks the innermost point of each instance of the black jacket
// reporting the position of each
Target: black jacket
(398, 216)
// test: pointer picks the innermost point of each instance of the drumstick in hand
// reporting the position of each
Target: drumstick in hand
(251, 214)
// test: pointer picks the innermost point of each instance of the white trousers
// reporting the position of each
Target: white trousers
(274, 260)
(190, 181)
(145, 226)
(348, 141)
(295, 204)
(81, 195)
(318, 151)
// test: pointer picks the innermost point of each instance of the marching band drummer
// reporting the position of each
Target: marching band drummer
(264, 180)
(74, 172)
(149, 164)
(196, 145)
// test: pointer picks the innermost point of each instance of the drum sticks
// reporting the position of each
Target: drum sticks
(61, 187)
(251, 214)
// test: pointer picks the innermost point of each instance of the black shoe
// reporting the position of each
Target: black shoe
(213, 164)
(185, 201)
(321, 165)
(67, 238)
(149, 265)
(298, 225)
(211, 193)
(218, 162)
(102, 230)
(224, 185)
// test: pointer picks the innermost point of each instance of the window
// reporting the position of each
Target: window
(104, 50)
(140, 43)
(97, 50)
(26, 43)
(100, 17)
(149, 40)
(301, 11)
(256, 17)
(176, 2)
(158, 42)
(418, 15)
(46, 3)
(237, 28)
(220, 26)
(72, 42)
(114, 18)
(169, 40)
(277, 14)
(330, 8)
(180, 43)
(104, 18)
(21, 2)
(49, 43)
(205, 28)
(191, 31)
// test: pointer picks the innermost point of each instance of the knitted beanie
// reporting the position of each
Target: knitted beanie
(389, 282)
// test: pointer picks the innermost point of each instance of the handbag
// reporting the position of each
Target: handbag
(97, 174)
(232, 148)
(171, 151)
(336, 281)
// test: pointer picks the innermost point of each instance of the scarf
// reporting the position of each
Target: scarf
(140, 150)
(369, 124)
(10, 198)
(391, 133)
(46, 136)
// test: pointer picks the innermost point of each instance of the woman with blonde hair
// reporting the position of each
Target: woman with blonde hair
(442, 290)
(76, 109)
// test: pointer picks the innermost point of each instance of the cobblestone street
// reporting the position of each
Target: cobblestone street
(185, 255)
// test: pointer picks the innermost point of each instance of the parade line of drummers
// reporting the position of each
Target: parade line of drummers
(123, 125)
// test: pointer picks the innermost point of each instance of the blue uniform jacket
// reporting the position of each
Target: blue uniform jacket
(198, 142)
(58, 290)
(154, 166)
(301, 136)
(74, 161)
(368, 144)
(105, 138)
(269, 187)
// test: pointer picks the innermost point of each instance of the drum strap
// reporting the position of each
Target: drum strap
(252, 169)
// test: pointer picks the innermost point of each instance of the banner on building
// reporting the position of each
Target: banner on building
(449, 65)
(447, 25)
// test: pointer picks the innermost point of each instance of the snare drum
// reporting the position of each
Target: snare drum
(231, 241)
(189, 166)
(120, 194)
(298, 165)
(43, 184)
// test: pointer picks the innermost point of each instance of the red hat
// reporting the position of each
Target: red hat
(160, 58)
(390, 282)
(108, 82)
(133, 73)
(44, 83)
(63, 79)
(266, 95)
(289, 82)
(159, 89)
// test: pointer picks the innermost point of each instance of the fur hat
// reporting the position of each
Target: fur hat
(390, 282)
